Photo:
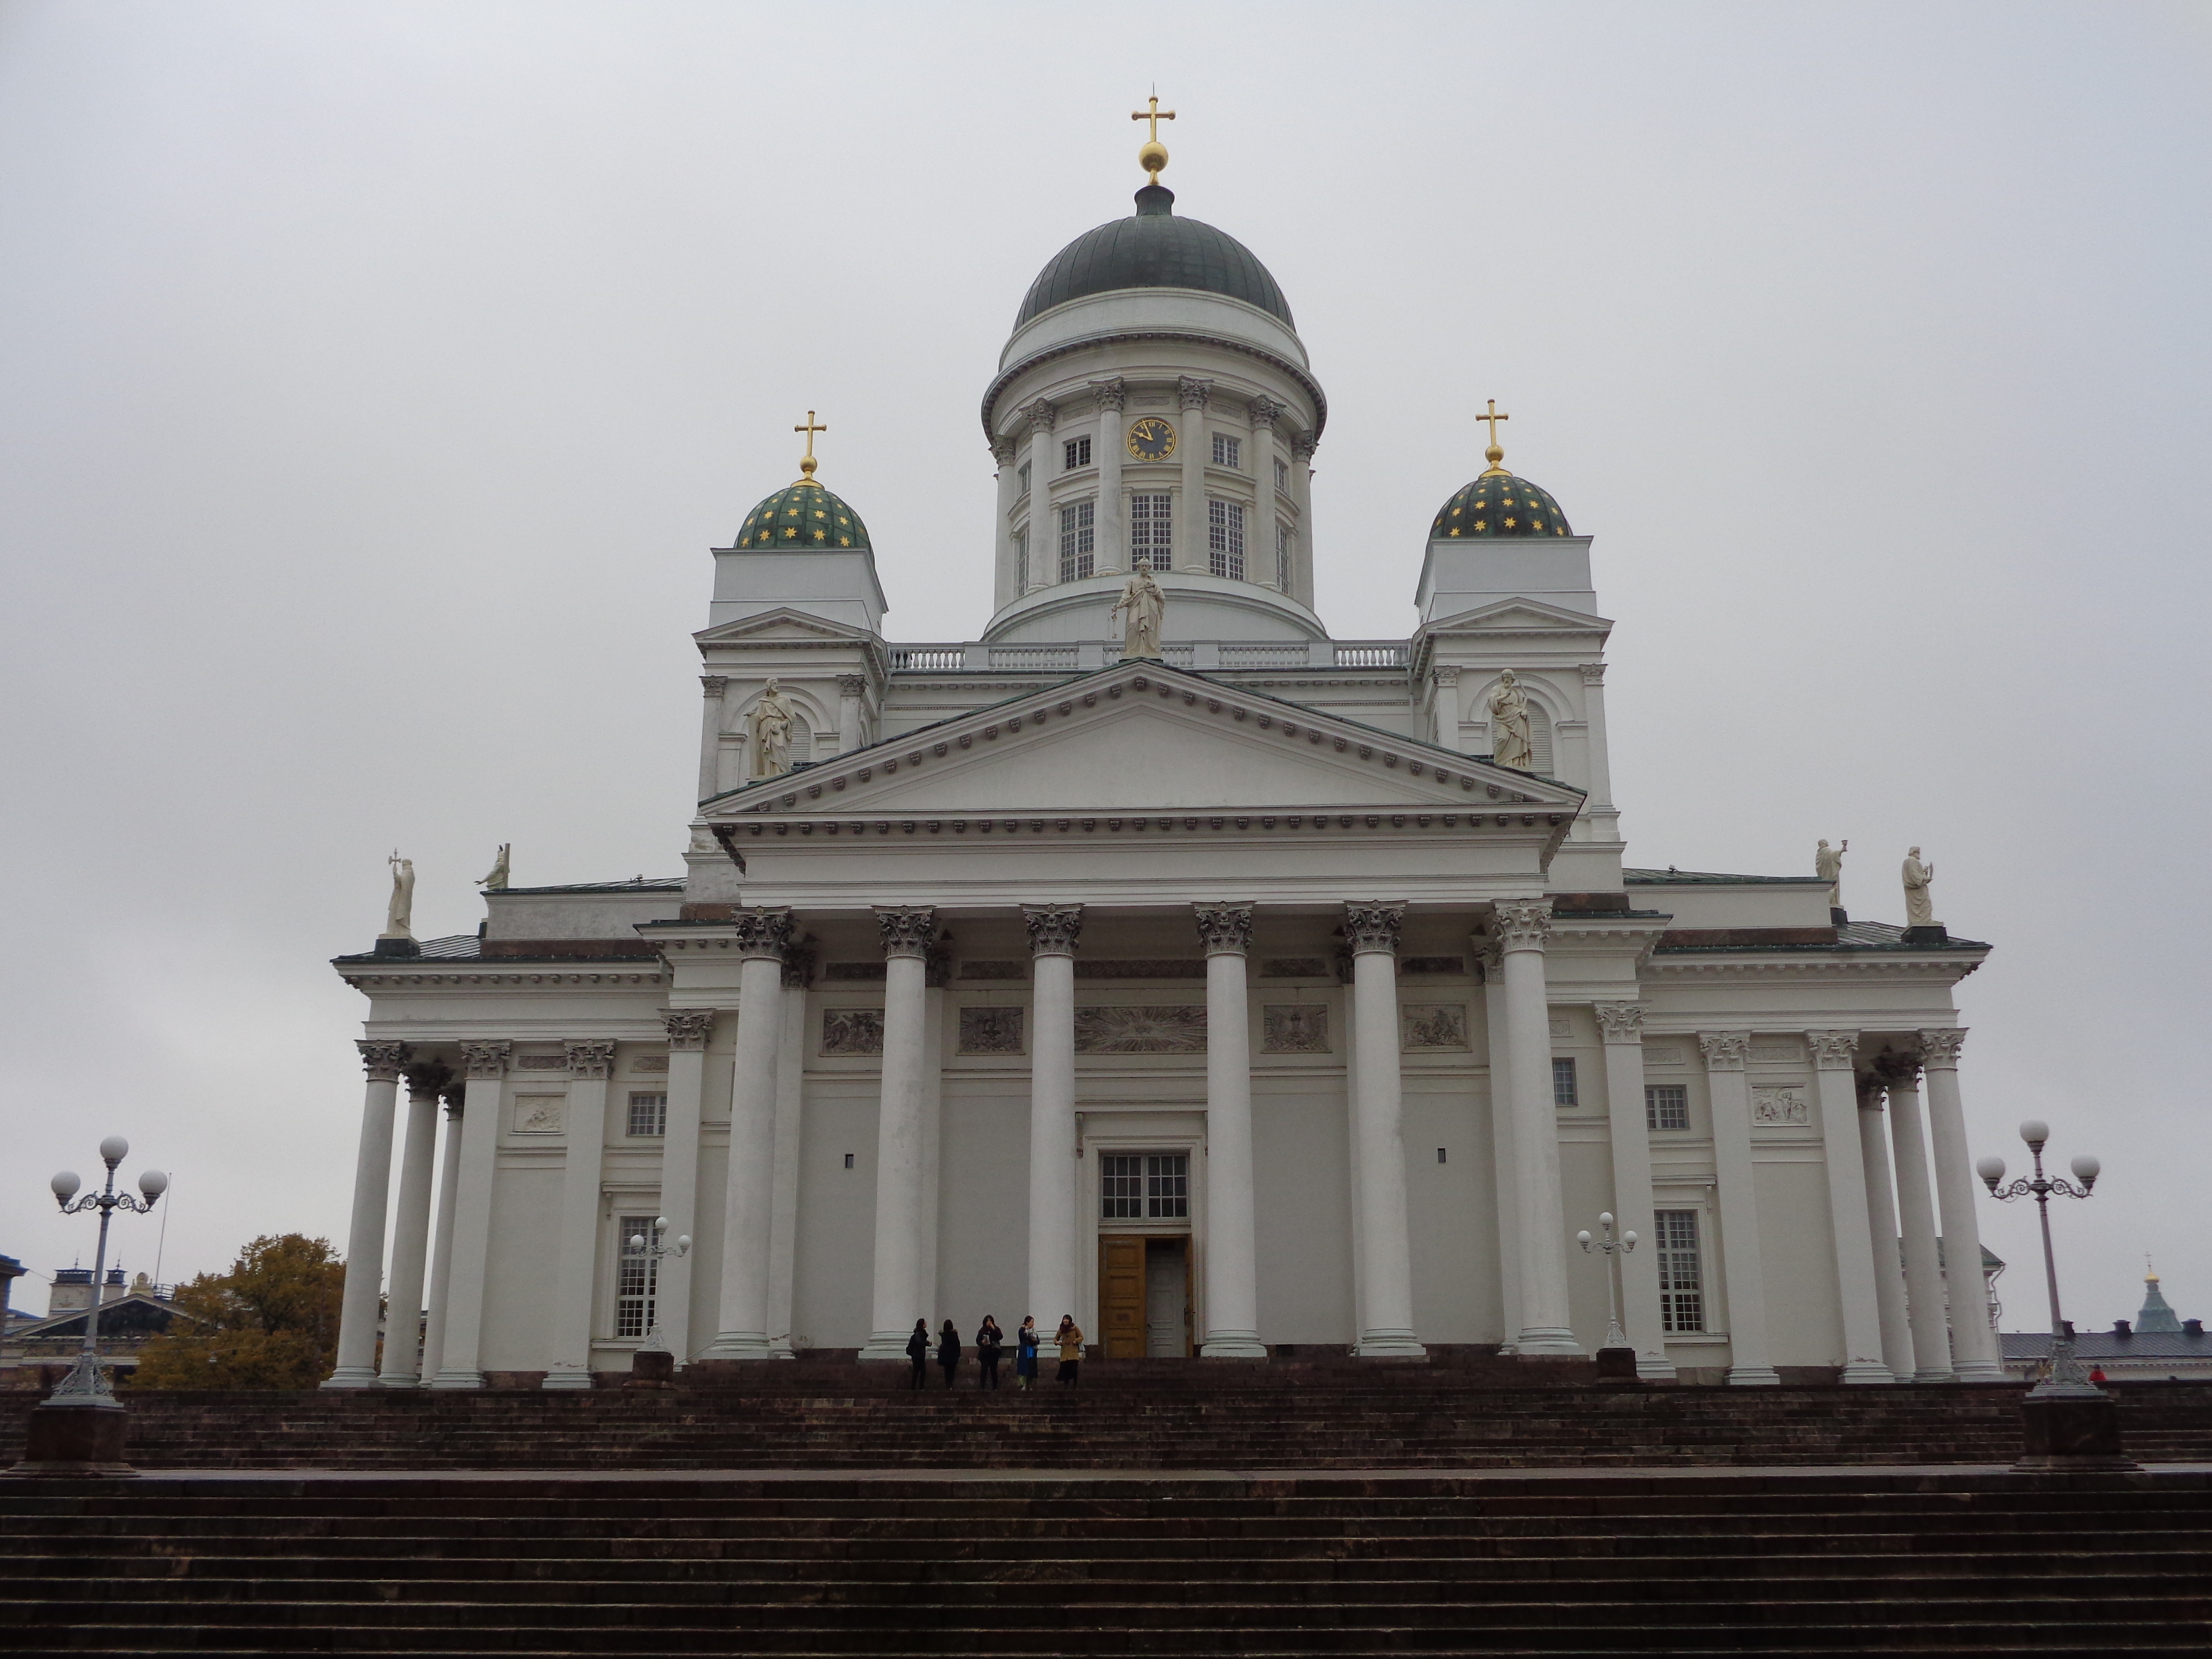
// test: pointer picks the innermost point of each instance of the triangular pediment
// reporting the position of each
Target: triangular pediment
(1144, 738)
(1519, 616)
(782, 624)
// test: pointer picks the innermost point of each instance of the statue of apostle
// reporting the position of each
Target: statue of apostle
(770, 724)
(1919, 908)
(1146, 606)
(399, 913)
(496, 881)
(1509, 725)
(1828, 864)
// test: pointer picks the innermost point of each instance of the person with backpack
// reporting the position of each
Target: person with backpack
(917, 1353)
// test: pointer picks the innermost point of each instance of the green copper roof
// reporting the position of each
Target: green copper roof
(1497, 505)
(1155, 249)
(803, 515)
(2156, 1317)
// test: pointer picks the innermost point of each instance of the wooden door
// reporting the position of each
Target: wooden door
(1121, 1297)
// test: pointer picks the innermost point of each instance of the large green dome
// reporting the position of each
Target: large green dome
(803, 515)
(1498, 504)
(1155, 249)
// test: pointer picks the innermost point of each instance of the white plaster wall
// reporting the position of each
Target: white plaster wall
(1754, 904)
(1303, 1194)
(1466, 574)
(833, 1280)
(526, 1242)
(1450, 1213)
(1797, 1238)
(983, 1208)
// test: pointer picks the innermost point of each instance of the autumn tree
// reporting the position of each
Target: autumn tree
(270, 1322)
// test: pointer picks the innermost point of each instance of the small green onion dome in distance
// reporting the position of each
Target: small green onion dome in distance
(803, 515)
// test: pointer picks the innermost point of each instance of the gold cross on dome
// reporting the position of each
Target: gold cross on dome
(809, 463)
(1154, 116)
(1494, 455)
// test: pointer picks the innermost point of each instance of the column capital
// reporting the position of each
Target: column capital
(1834, 1051)
(936, 966)
(906, 932)
(487, 1059)
(1004, 450)
(1266, 411)
(798, 967)
(714, 684)
(426, 1078)
(763, 933)
(689, 1029)
(1725, 1051)
(1371, 929)
(455, 1093)
(1593, 674)
(591, 1058)
(1041, 417)
(382, 1059)
(1226, 928)
(1108, 396)
(1870, 1088)
(1304, 446)
(1939, 1049)
(1054, 928)
(1487, 957)
(1620, 1022)
(1894, 1071)
(1523, 924)
(1193, 391)
(852, 685)
(1445, 673)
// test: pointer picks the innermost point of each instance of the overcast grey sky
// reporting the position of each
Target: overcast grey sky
(373, 379)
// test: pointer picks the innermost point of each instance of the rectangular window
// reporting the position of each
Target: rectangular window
(1167, 1187)
(1562, 1083)
(1022, 560)
(1024, 474)
(1149, 536)
(1121, 1178)
(1666, 1106)
(1282, 475)
(1075, 550)
(1283, 557)
(1145, 1187)
(1224, 539)
(1681, 1282)
(648, 1114)
(636, 1278)
(1227, 450)
(1077, 452)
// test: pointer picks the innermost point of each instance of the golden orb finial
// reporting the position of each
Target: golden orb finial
(1152, 154)
(1494, 455)
(807, 463)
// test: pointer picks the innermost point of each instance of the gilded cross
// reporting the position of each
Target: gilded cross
(1154, 116)
(806, 466)
(1493, 417)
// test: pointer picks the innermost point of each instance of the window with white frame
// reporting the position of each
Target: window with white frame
(1145, 1186)
(649, 1112)
(637, 1277)
(1228, 451)
(1224, 539)
(1023, 473)
(1682, 1279)
(1075, 452)
(1666, 1106)
(1282, 475)
(1564, 1092)
(1022, 560)
(1283, 557)
(1075, 544)
(1149, 533)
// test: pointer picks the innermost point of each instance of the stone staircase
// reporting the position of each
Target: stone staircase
(907, 1563)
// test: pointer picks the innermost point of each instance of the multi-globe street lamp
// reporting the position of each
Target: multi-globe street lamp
(652, 1365)
(1614, 1336)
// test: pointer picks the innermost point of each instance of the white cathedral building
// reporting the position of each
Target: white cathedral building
(1277, 993)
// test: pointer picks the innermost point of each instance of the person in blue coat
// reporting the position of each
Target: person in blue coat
(1025, 1350)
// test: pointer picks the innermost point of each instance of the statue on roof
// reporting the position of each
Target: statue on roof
(1828, 864)
(1147, 606)
(399, 912)
(496, 881)
(1919, 908)
(1509, 725)
(769, 726)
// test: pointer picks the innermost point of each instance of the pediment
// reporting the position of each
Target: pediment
(1146, 737)
(782, 624)
(1520, 616)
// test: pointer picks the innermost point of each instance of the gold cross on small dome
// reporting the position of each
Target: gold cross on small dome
(1494, 455)
(1152, 154)
(806, 466)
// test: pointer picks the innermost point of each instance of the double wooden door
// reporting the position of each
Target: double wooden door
(1144, 1297)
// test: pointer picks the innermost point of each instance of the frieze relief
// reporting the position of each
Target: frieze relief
(539, 1114)
(991, 1030)
(1432, 1026)
(1779, 1108)
(1294, 1027)
(1174, 1029)
(852, 1030)
(649, 1063)
(1294, 968)
(541, 1062)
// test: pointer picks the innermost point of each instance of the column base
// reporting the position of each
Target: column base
(1232, 1345)
(1655, 1368)
(889, 1345)
(1866, 1372)
(399, 1380)
(1979, 1370)
(456, 1380)
(1753, 1376)
(567, 1376)
(1389, 1345)
(745, 1344)
(1932, 1376)
(351, 1376)
(1549, 1339)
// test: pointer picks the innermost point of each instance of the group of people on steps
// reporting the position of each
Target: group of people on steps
(990, 1348)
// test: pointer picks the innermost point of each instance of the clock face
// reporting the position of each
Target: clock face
(1151, 439)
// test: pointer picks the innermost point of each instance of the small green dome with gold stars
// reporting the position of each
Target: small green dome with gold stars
(803, 515)
(1498, 504)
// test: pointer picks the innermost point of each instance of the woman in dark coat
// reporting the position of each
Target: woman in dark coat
(917, 1353)
(1025, 1350)
(948, 1350)
(989, 1339)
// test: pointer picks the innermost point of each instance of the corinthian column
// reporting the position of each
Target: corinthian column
(1834, 1055)
(1044, 466)
(1005, 454)
(410, 1227)
(1232, 1276)
(1190, 540)
(1973, 1344)
(1054, 1215)
(1302, 449)
(1113, 543)
(371, 1187)
(1882, 1230)
(1916, 1210)
(459, 1364)
(1741, 1261)
(1522, 927)
(906, 935)
(689, 1029)
(1621, 1025)
(1504, 1176)
(442, 1236)
(1385, 1256)
(710, 734)
(748, 1214)
(576, 1260)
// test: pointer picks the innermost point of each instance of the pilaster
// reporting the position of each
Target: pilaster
(1742, 1262)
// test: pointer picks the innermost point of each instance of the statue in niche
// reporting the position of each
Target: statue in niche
(399, 913)
(1509, 725)
(1919, 908)
(1828, 864)
(496, 881)
(770, 726)
(1146, 606)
